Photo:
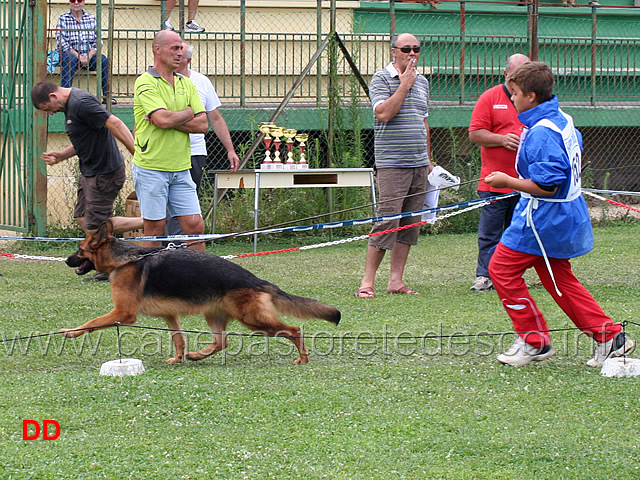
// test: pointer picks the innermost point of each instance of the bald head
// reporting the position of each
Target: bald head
(404, 38)
(514, 61)
(165, 36)
(167, 52)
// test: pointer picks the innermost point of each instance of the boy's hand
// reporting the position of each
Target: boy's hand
(498, 179)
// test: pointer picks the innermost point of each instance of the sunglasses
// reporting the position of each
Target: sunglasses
(408, 49)
(76, 1)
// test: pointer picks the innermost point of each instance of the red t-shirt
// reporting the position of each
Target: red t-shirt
(495, 112)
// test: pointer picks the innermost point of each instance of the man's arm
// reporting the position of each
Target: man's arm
(388, 109)
(198, 124)
(222, 132)
(166, 119)
(51, 157)
(62, 37)
(426, 125)
(121, 132)
(486, 138)
(502, 180)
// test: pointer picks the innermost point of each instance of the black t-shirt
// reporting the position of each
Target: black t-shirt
(94, 143)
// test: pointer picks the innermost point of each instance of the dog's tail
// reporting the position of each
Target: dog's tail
(302, 307)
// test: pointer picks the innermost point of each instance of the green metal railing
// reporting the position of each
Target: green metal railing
(22, 179)
(259, 66)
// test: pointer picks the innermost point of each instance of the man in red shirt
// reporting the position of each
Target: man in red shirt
(495, 127)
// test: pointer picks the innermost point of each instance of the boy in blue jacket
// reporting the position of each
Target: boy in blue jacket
(550, 225)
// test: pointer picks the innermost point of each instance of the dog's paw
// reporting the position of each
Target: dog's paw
(194, 356)
(303, 360)
(175, 360)
(70, 333)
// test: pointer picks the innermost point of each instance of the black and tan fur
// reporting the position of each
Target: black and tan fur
(170, 283)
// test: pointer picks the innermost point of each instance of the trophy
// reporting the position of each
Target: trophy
(302, 137)
(277, 132)
(290, 133)
(265, 127)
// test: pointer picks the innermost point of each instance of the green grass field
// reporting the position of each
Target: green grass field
(376, 401)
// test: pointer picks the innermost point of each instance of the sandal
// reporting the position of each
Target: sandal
(365, 292)
(403, 290)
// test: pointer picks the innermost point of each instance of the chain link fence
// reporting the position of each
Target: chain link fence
(254, 54)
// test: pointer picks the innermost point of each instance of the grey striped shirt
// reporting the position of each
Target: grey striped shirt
(402, 141)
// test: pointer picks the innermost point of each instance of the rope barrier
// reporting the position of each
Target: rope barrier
(118, 326)
(325, 225)
(271, 230)
(472, 204)
(611, 192)
(608, 200)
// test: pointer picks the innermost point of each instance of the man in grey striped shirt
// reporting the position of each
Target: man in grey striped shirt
(400, 100)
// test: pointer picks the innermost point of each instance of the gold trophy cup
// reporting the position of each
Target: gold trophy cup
(302, 137)
(277, 133)
(265, 127)
(290, 134)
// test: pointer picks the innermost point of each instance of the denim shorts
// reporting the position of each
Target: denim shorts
(159, 191)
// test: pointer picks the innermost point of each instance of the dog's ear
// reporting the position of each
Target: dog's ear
(103, 234)
(106, 229)
(108, 225)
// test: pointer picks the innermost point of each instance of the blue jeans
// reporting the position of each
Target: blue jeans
(69, 67)
(494, 219)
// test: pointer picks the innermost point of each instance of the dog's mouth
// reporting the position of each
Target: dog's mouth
(85, 267)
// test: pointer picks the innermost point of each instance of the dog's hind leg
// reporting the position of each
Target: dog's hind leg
(259, 315)
(178, 338)
(218, 324)
(275, 328)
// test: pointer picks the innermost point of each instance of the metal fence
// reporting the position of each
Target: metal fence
(253, 55)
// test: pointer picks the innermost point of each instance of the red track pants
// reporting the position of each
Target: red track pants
(506, 269)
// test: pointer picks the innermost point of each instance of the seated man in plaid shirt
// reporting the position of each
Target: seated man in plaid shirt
(77, 44)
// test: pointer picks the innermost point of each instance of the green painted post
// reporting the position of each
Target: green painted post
(99, 50)
(318, 45)
(594, 46)
(243, 58)
(38, 139)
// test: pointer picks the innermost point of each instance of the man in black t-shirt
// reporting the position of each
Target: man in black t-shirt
(93, 132)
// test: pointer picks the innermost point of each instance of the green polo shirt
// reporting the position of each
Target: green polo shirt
(167, 150)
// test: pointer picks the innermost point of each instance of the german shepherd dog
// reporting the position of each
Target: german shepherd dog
(168, 283)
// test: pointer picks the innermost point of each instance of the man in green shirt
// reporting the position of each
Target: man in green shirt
(166, 109)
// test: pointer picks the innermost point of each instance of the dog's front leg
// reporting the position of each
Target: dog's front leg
(178, 339)
(105, 321)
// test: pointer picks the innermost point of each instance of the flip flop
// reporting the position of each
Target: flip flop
(403, 290)
(365, 292)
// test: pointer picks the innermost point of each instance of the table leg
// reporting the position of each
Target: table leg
(373, 194)
(215, 204)
(256, 207)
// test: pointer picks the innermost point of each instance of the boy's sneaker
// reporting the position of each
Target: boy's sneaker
(616, 347)
(521, 353)
(167, 25)
(482, 284)
(193, 27)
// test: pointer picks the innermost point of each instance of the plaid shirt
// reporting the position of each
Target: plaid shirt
(79, 36)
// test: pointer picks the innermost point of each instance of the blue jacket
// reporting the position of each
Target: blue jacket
(561, 221)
